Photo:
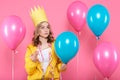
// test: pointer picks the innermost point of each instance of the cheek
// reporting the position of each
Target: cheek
(40, 32)
(49, 31)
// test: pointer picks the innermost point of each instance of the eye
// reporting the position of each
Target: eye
(48, 26)
(42, 27)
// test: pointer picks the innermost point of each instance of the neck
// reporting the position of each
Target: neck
(43, 40)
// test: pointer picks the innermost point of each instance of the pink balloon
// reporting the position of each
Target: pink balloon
(13, 31)
(106, 58)
(76, 14)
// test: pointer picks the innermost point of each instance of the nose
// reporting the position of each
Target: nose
(46, 29)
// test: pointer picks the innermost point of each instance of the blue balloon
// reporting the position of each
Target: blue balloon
(98, 19)
(66, 46)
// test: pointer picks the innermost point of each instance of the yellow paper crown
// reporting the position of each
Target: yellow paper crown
(38, 15)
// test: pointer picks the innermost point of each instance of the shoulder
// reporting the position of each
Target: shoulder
(31, 46)
(52, 44)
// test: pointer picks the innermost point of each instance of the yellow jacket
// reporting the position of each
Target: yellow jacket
(34, 69)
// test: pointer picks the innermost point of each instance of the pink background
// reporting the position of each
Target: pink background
(79, 68)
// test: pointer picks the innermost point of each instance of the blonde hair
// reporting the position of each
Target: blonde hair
(35, 38)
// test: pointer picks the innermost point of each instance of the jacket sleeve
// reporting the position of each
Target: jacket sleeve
(59, 65)
(30, 66)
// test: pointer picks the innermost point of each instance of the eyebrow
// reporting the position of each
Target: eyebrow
(45, 26)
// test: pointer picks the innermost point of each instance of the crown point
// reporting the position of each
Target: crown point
(38, 7)
(35, 8)
(31, 10)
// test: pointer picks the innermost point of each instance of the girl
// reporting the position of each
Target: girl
(41, 62)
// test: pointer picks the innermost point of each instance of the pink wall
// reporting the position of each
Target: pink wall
(56, 11)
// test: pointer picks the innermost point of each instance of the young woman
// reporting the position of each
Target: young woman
(41, 62)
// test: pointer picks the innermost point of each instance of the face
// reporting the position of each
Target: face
(44, 30)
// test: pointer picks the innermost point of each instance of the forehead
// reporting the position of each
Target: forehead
(45, 24)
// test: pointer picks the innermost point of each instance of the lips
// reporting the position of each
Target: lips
(46, 33)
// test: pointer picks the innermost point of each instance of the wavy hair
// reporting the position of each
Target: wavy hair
(35, 38)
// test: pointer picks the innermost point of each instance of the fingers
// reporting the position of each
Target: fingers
(34, 56)
(63, 67)
(36, 52)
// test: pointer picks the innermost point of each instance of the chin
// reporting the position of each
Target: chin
(45, 36)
